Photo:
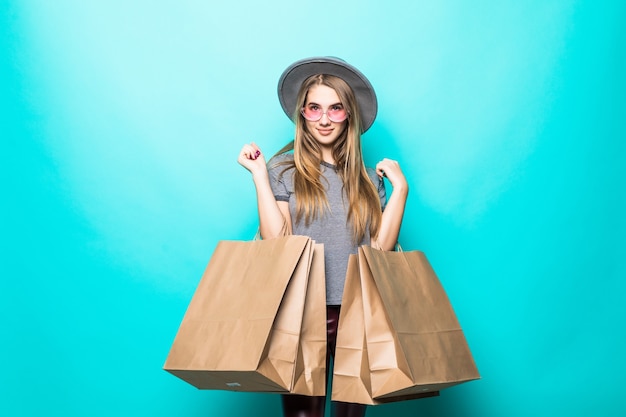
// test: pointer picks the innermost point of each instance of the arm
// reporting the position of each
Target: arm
(394, 210)
(274, 218)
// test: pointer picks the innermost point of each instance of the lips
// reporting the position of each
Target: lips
(325, 132)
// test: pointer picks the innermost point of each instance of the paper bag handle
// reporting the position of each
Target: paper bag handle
(396, 248)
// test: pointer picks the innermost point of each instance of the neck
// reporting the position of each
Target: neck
(327, 156)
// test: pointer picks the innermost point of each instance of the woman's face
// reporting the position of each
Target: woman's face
(325, 131)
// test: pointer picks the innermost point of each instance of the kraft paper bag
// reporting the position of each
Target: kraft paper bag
(310, 373)
(242, 329)
(351, 374)
(414, 341)
(352, 378)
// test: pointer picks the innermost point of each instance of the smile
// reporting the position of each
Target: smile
(325, 132)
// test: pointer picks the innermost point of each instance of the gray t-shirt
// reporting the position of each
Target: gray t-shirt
(332, 229)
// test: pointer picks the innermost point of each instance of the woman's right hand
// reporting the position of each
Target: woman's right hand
(252, 159)
(274, 217)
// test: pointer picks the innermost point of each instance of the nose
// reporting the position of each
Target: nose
(324, 120)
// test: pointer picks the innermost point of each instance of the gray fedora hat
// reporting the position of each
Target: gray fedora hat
(293, 77)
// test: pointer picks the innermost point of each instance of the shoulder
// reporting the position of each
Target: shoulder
(279, 164)
(280, 159)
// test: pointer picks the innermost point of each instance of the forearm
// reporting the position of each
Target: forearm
(272, 223)
(392, 219)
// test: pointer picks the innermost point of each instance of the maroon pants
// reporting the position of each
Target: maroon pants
(305, 406)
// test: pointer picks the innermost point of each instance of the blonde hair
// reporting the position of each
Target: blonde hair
(364, 207)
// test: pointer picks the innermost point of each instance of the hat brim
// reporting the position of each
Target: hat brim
(292, 78)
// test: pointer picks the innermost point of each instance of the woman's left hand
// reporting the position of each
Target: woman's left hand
(394, 209)
(391, 169)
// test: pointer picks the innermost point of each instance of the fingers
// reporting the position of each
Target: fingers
(249, 151)
(391, 170)
(251, 158)
(387, 167)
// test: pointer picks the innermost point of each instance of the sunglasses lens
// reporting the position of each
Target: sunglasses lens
(337, 115)
(314, 114)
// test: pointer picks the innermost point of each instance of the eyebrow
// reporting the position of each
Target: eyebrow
(333, 104)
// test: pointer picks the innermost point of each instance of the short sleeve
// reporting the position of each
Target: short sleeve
(277, 170)
(379, 183)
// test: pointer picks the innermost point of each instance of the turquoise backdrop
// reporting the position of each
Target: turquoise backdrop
(120, 127)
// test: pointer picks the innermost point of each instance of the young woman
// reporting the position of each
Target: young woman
(322, 189)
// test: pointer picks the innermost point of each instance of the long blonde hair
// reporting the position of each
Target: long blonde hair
(364, 203)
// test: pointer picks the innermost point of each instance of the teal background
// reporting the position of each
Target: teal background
(121, 122)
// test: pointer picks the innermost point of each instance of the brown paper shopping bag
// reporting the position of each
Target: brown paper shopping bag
(351, 373)
(242, 328)
(352, 378)
(414, 341)
(310, 372)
